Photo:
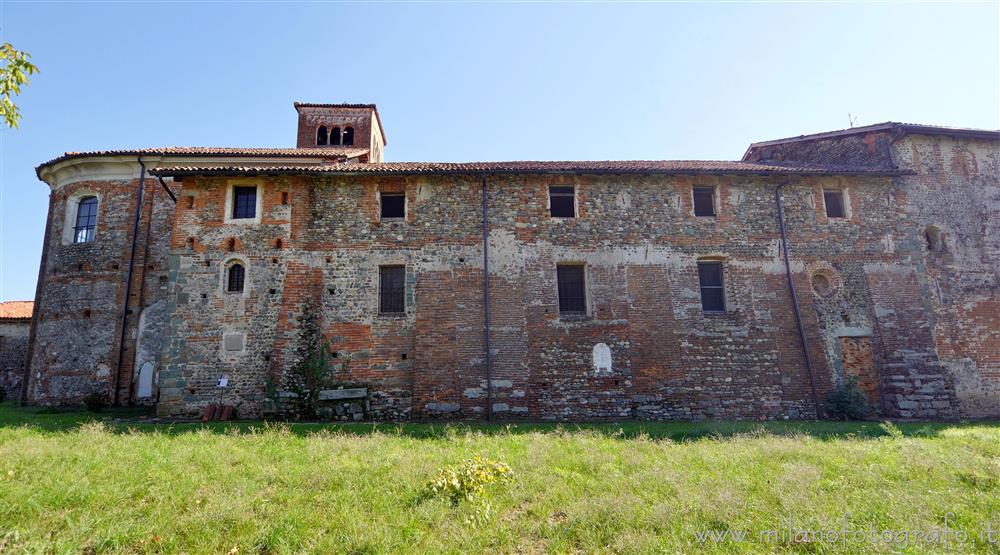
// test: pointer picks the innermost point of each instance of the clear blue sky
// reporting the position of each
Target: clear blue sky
(460, 82)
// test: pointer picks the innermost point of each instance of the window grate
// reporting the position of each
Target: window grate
(713, 297)
(392, 290)
(572, 289)
(86, 220)
(834, 201)
(704, 201)
(561, 202)
(237, 275)
(244, 202)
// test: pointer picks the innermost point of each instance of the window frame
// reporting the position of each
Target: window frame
(382, 305)
(227, 279)
(845, 213)
(583, 298)
(713, 191)
(231, 200)
(721, 287)
(562, 194)
(381, 209)
(91, 229)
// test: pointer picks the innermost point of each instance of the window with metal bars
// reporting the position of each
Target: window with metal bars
(393, 205)
(86, 220)
(244, 202)
(704, 201)
(572, 289)
(235, 279)
(392, 289)
(713, 296)
(834, 201)
(561, 202)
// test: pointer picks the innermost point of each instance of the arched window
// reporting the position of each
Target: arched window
(348, 135)
(234, 281)
(321, 135)
(86, 220)
(335, 136)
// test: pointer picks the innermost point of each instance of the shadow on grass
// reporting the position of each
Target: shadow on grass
(140, 420)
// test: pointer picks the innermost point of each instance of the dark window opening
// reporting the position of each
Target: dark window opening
(713, 297)
(190, 201)
(704, 201)
(335, 136)
(244, 202)
(834, 201)
(284, 197)
(348, 135)
(392, 289)
(393, 205)
(86, 220)
(234, 283)
(231, 244)
(934, 239)
(321, 135)
(572, 289)
(278, 243)
(561, 202)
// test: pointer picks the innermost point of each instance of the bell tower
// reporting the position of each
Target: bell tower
(343, 127)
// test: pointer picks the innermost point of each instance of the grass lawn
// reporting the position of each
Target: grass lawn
(78, 482)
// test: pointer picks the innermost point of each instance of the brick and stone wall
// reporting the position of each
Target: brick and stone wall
(13, 354)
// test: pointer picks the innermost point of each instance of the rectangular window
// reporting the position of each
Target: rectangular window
(704, 201)
(392, 289)
(834, 201)
(713, 297)
(393, 205)
(86, 220)
(244, 202)
(561, 202)
(572, 289)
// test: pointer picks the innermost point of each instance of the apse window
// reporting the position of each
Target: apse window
(393, 205)
(244, 203)
(704, 201)
(833, 199)
(86, 220)
(392, 289)
(572, 286)
(713, 297)
(235, 278)
(562, 202)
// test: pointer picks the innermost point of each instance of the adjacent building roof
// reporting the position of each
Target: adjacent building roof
(16, 310)
(676, 167)
(892, 126)
(372, 107)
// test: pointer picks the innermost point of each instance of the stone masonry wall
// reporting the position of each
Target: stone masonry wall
(82, 294)
(320, 241)
(13, 354)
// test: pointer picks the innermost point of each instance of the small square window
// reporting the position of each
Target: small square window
(572, 289)
(704, 201)
(713, 297)
(244, 202)
(393, 205)
(392, 289)
(561, 202)
(834, 201)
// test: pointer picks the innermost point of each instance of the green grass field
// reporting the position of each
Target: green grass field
(78, 482)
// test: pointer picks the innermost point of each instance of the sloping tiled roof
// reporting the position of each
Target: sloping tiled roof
(903, 128)
(331, 153)
(526, 167)
(16, 310)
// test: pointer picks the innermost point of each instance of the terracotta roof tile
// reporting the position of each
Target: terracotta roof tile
(16, 310)
(329, 153)
(604, 167)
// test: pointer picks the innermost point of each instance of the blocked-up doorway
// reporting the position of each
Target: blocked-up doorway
(859, 363)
